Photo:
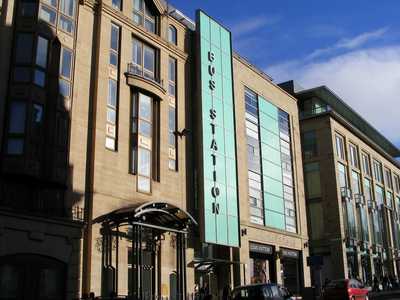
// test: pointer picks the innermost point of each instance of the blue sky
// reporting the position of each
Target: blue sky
(352, 46)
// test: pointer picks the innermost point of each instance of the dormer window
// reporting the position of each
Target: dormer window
(143, 15)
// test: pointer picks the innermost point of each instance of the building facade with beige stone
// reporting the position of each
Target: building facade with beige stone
(352, 183)
(141, 156)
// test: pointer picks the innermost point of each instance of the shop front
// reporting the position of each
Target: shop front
(366, 272)
(352, 260)
(291, 269)
(262, 263)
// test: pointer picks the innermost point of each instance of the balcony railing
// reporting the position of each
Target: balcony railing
(137, 70)
(316, 110)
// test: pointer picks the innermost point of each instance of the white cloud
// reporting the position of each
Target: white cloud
(349, 43)
(252, 24)
(368, 80)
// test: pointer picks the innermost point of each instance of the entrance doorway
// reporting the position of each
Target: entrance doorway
(291, 270)
(32, 277)
(262, 263)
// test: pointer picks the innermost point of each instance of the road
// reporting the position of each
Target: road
(391, 295)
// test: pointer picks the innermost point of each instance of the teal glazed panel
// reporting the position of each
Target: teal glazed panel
(271, 154)
(273, 186)
(223, 229)
(230, 147)
(205, 27)
(272, 170)
(230, 172)
(227, 91)
(231, 201)
(275, 220)
(274, 203)
(226, 42)
(268, 108)
(269, 123)
(215, 33)
(270, 139)
(233, 227)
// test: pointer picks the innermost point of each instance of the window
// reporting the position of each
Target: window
(27, 8)
(310, 148)
(388, 179)
(397, 184)
(39, 77)
(112, 102)
(312, 180)
(378, 171)
(114, 45)
(142, 15)
(48, 14)
(117, 4)
(368, 190)
(366, 164)
(65, 72)
(172, 118)
(355, 183)
(354, 156)
(24, 48)
(172, 35)
(379, 195)
(67, 7)
(16, 128)
(142, 140)
(343, 179)
(144, 59)
(316, 219)
(340, 147)
(66, 14)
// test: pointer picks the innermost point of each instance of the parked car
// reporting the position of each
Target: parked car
(345, 289)
(262, 291)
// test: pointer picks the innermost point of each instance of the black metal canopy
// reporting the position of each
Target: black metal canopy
(161, 215)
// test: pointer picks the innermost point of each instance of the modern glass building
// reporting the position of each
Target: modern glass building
(141, 156)
(352, 185)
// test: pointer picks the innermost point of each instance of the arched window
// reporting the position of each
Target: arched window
(172, 35)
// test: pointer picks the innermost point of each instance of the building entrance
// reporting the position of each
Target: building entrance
(31, 277)
(262, 263)
(291, 270)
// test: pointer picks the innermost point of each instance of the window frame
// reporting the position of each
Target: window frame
(353, 153)
(115, 52)
(139, 69)
(144, 16)
(388, 178)
(172, 35)
(340, 145)
(366, 164)
(17, 135)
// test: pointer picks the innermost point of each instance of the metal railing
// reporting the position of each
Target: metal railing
(133, 69)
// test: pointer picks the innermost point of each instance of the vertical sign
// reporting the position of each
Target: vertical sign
(218, 179)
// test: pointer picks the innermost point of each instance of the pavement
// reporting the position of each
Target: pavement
(387, 295)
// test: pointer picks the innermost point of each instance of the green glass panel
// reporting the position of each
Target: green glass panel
(230, 145)
(217, 63)
(275, 220)
(215, 33)
(230, 172)
(269, 123)
(205, 26)
(210, 228)
(220, 168)
(233, 231)
(272, 170)
(218, 86)
(205, 48)
(207, 104)
(208, 165)
(219, 109)
(231, 201)
(268, 108)
(222, 229)
(219, 138)
(270, 139)
(226, 42)
(227, 91)
(270, 154)
(221, 199)
(226, 66)
(274, 203)
(205, 80)
(273, 186)
(228, 118)
(208, 198)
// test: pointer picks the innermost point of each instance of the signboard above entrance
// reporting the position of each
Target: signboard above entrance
(218, 181)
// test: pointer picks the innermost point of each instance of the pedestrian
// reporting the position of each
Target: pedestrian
(226, 293)
(375, 286)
